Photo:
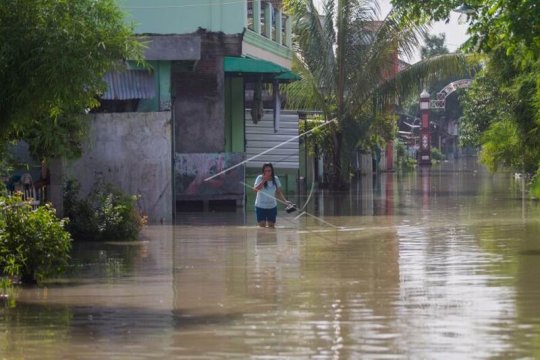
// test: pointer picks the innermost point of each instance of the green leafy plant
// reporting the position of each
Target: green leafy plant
(33, 242)
(404, 160)
(8, 293)
(409, 163)
(535, 184)
(106, 214)
(3, 189)
(4, 170)
(436, 154)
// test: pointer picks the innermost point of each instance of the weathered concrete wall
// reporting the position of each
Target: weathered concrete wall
(172, 47)
(199, 101)
(133, 151)
(199, 112)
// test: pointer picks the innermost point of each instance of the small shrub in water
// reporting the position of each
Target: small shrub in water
(436, 154)
(106, 214)
(33, 242)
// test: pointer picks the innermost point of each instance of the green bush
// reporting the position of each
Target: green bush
(535, 185)
(106, 214)
(400, 149)
(404, 161)
(409, 163)
(33, 243)
(4, 171)
(436, 154)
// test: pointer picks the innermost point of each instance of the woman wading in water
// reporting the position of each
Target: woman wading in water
(268, 188)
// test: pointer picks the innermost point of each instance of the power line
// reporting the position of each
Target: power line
(189, 5)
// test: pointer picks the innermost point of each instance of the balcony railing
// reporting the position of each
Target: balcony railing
(269, 21)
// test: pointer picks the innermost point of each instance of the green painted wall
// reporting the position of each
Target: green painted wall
(164, 81)
(186, 16)
(234, 115)
(162, 77)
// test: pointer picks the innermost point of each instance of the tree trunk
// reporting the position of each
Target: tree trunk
(337, 182)
(55, 190)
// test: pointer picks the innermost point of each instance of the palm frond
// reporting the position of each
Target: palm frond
(378, 54)
(314, 40)
(412, 80)
(347, 57)
(304, 94)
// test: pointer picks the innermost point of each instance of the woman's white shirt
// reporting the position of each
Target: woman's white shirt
(266, 197)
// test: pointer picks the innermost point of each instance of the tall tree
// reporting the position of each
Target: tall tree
(345, 56)
(501, 116)
(433, 45)
(53, 56)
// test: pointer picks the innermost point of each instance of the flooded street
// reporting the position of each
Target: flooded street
(435, 264)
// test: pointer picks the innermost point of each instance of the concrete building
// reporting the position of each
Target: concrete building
(183, 119)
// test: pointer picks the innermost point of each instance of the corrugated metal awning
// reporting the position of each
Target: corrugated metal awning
(129, 84)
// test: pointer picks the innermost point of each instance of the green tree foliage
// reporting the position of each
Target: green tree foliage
(483, 104)
(535, 184)
(502, 109)
(4, 170)
(428, 10)
(501, 145)
(501, 116)
(53, 56)
(510, 24)
(346, 58)
(434, 45)
(33, 243)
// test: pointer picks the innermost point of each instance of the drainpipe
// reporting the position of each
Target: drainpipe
(277, 105)
(173, 158)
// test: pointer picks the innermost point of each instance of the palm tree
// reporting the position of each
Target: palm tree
(344, 55)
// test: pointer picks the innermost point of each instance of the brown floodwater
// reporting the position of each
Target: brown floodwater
(435, 264)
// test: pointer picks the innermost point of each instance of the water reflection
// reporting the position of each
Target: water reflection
(440, 263)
